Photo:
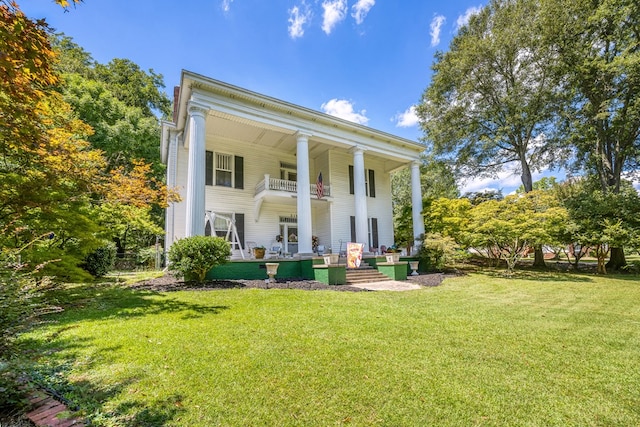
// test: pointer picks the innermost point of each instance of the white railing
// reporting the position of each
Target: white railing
(276, 184)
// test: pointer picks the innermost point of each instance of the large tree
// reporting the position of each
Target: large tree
(598, 45)
(493, 97)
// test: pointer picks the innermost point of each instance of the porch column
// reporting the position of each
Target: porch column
(304, 197)
(194, 222)
(360, 196)
(416, 202)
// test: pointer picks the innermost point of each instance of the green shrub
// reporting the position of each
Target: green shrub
(436, 250)
(193, 257)
(100, 261)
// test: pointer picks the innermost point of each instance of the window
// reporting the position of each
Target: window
(224, 169)
(227, 169)
(372, 231)
(369, 182)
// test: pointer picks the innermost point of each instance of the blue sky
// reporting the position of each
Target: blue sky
(363, 60)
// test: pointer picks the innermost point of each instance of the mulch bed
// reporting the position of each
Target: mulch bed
(169, 283)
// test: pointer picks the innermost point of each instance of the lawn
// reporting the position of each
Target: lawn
(538, 349)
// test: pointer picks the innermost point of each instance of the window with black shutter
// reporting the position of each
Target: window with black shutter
(372, 184)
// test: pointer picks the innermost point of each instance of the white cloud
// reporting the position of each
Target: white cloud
(298, 17)
(436, 26)
(464, 19)
(360, 10)
(334, 12)
(344, 109)
(226, 5)
(407, 119)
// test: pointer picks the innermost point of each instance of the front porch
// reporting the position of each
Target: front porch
(297, 268)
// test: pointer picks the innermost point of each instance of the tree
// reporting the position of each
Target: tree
(493, 95)
(600, 220)
(119, 101)
(512, 225)
(449, 218)
(598, 45)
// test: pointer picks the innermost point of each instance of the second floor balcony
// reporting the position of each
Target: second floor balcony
(284, 188)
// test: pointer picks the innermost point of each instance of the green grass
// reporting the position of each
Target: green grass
(539, 349)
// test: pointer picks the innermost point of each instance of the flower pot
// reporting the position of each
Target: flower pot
(393, 257)
(272, 269)
(414, 266)
(331, 258)
(259, 253)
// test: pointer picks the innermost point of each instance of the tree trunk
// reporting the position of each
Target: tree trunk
(616, 259)
(538, 260)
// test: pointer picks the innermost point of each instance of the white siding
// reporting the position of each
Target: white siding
(330, 219)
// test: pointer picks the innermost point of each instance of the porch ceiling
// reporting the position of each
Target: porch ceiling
(269, 137)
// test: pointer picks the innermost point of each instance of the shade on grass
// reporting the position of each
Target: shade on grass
(478, 350)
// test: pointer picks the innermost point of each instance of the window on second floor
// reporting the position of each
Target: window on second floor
(227, 170)
(369, 182)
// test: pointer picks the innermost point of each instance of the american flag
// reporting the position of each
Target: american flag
(319, 187)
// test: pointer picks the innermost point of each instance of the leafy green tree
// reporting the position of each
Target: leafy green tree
(119, 101)
(597, 45)
(510, 226)
(600, 220)
(135, 87)
(493, 95)
(448, 218)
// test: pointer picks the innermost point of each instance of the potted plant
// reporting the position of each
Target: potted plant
(259, 251)
(392, 254)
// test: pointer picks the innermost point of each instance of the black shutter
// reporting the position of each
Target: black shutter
(239, 171)
(351, 180)
(353, 228)
(374, 232)
(372, 184)
(240, 228)
(208, 180)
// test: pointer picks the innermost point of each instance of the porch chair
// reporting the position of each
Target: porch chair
(274, 250)
(321, 250)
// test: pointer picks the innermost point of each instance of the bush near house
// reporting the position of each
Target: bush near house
(193, 257)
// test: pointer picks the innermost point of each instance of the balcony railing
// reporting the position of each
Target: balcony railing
(275, 184)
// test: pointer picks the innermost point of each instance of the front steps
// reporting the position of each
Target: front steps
(364, 274)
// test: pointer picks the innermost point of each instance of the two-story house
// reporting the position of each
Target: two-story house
(255, 168)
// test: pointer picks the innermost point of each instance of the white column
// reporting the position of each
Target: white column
(304, 197)
(416, 202)
(172, 157)
(196, 172)
(360, 194)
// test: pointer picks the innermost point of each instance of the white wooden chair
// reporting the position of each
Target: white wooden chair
(273, 251)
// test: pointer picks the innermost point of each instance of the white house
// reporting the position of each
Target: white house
(236, 154)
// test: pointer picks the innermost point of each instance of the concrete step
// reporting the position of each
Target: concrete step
(366, 274)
